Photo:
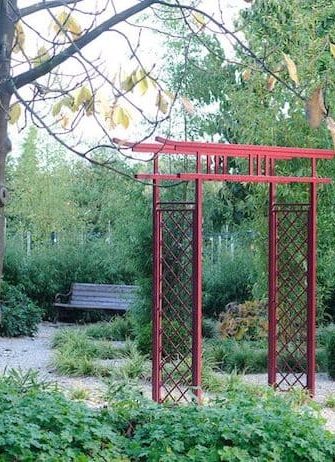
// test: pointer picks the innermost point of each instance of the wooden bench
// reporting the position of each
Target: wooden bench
(107, 297)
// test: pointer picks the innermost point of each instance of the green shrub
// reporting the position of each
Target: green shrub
(246, 321)
(144, 339)
(52, 268)
(246, 424)
(230, 279)
(209, 328)
(19, 315)
(119, 328)
(331, 356)
(239, 356)
(324, 333)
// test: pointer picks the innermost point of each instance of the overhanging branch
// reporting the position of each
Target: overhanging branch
(45, 5)
(33, 74)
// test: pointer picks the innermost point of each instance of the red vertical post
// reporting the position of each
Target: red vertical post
(272, 290)
(197, 289)
(311, 285)
(157, 289)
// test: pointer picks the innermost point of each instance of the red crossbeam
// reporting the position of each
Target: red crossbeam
(231, 178)
(231, 150)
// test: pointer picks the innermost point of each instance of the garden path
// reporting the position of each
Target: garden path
(27, 353)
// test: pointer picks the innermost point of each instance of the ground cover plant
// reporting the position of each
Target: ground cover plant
(246, 423)
(19, 315)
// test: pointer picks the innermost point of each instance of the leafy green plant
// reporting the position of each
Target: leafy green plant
(247, 320)
(229, 280)
(79, 394)
(42, 425)
(331, 355)
(119, 328)
(19, 315)
(330, 401)
(209, 328)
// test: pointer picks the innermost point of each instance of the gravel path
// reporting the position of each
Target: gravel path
(36, 353)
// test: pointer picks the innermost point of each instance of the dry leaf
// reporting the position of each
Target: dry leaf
(162, 103)
(332, 49)
(292, 68)
(19, 38)
(271, 82)
(315, 108)
(188, 106)
(14, 113)
(331, 128)
(246, 74)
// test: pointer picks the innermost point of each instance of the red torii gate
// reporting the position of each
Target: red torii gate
(177, 264)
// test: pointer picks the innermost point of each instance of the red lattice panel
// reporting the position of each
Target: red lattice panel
(292, 294)
(177, 301)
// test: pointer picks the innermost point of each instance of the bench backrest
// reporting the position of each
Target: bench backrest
(118, 296)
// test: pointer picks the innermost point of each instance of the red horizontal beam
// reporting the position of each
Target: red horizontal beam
(281, 150)
(155, 149)
(231, 178)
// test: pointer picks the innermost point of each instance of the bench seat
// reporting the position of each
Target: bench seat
(107, 297)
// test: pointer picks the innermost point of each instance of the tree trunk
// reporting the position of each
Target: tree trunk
(7, 26)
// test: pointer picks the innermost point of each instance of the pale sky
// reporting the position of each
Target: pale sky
(113, 50)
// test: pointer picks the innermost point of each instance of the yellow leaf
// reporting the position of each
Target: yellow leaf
(42, 56)
(315, 108)
(127, 84)
(68, 102)
(246, 74)
(66, 23)
(19, 38)
(271, 82)
(14, 113)
(56, 108)
(82, 96)
(332, 49)
(199, 19)
(162, 103)
(64, 121)
(331, 128)
(121, 117)
(292, 68)
(140, 79)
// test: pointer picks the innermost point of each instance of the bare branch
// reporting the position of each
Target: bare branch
(44, 5)
(37, 72)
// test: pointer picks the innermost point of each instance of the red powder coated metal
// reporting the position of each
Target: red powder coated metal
(177, 262)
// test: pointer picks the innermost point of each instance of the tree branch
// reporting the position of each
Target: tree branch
(33, 74)
(44, 5)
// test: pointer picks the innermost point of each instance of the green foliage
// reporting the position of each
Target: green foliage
(209, 328)
(247, 321)
(52, 268)
(330, 401)
(39, 424)
(119, 328)
(228, 280)
(331, 355)
(82, 351)
(19, 315)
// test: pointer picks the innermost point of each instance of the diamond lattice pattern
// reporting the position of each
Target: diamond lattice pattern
(291, 275)
(177, 303)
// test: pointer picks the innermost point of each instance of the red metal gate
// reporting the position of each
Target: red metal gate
(177, 263)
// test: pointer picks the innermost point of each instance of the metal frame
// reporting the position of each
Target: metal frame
(291, 255)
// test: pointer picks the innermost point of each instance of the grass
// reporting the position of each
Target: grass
(80, 352)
